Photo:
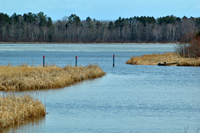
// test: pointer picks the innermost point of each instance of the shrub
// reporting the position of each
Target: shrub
(190, 50)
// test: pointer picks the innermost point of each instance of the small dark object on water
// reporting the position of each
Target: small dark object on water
(76, 61)
(43, 60)
(167, 64)
(113, 60)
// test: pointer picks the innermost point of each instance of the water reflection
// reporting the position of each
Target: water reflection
(28, 126)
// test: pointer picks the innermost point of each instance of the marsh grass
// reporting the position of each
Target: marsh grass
(154, 59)
(15, 110)
(32, 78)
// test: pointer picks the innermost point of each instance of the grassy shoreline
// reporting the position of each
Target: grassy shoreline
(15, 110)
(154, 59)
(48, 77)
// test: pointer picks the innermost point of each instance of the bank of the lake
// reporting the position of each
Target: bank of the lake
(33, 78)
(155, 59)
(17, 109)
(88, 43)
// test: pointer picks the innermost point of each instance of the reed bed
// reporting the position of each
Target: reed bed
(154, 59)
(189, 62)
(15, 110)
(33, 78)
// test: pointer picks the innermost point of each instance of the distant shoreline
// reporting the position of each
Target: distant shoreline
(78, 43)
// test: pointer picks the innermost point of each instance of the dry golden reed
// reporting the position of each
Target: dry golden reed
(154, 59)
(14, 110)
(32, 78)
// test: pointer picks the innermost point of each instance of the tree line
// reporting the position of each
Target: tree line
(31, 27)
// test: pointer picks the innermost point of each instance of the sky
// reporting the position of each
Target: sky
(103, 9)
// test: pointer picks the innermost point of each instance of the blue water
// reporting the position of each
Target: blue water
(129, 98)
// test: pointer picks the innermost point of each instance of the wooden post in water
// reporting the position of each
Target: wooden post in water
(76, 61)
(43, 60)
(113, 60)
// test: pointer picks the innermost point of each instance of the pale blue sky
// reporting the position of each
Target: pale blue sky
(103, 9)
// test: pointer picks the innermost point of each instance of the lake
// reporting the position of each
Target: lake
(129, 98)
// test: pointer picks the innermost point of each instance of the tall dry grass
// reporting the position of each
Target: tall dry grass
(154, 59)
(189, 62)
(32, 78)
(14, 110)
